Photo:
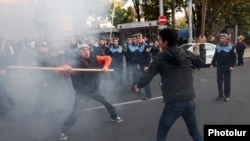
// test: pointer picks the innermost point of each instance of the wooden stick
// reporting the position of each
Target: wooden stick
(54, 69)
(203, 17)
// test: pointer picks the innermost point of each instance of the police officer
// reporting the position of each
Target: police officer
(132, 59)
(143, 59)
(116, 53)
(225, 59)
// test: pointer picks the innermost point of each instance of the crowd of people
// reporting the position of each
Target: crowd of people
(136, 58)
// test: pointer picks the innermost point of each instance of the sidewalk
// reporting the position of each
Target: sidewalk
(247, 53)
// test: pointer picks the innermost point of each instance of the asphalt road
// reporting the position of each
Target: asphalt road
(141, 117)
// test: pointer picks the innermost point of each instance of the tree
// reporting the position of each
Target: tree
(220, 14)
(150, 10)
(137, 9)
(173, 6)
(122, 15)
(181, 23)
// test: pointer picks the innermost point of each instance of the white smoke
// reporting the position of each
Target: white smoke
(49, 18)
(45, 19)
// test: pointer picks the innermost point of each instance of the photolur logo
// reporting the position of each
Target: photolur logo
(215, 132)
(227, 132)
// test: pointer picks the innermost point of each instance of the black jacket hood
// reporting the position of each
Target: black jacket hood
(174, 55)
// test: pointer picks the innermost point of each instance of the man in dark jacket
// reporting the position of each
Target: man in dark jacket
(86, 86)
(175, 68)
(240, 48)
(155, 49)
(101, 49)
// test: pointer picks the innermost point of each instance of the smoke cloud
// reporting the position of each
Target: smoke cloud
(49, 18)
(28, 20)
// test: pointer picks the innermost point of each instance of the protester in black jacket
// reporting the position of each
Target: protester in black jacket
(175, 68)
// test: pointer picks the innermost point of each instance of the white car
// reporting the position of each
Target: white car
(210, 49)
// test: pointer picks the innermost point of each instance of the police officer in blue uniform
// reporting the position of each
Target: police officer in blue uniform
(131, 55)
(143, 59)
(116, 52)
(225, 59)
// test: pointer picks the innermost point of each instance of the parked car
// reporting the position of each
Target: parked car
(210, 49)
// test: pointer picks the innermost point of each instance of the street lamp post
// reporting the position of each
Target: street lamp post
(112, 19)
(190, 39)
(161, 12)
(161, 7)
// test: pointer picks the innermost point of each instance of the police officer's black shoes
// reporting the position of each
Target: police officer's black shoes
(219, 98)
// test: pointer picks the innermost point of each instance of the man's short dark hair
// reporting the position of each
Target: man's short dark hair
(170, 35)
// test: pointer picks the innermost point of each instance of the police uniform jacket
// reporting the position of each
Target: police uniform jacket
(142, 55)
(131, 52)
(116, 54)
(224, 56)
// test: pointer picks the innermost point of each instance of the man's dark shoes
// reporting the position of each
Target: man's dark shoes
(219, 98)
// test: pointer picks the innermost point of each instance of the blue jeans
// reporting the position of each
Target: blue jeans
(80, 102)
(173, 111)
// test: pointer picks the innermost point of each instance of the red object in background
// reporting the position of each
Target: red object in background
(162, 19)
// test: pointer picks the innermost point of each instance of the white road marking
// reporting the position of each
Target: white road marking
(123, 103)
